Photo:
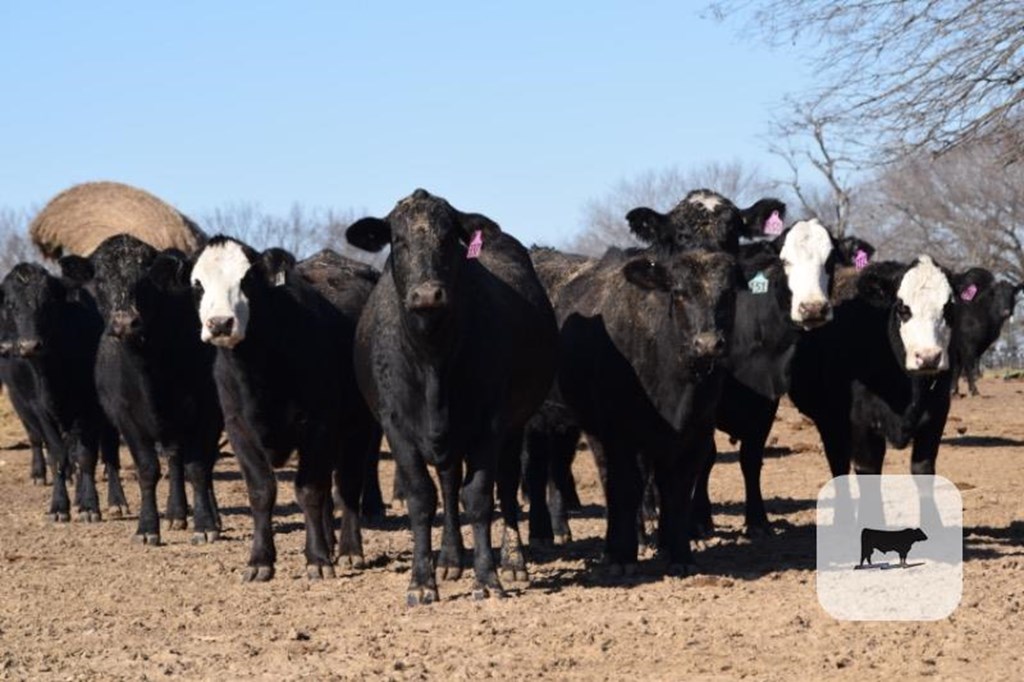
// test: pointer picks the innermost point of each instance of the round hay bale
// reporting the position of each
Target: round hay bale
(78, 219)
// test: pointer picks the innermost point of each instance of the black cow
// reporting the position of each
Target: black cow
(52, 331)
(880, 371)
(642, 337)
(285, 381)
(155, 377)
(455, 351)
(982, 307)
(899, 541)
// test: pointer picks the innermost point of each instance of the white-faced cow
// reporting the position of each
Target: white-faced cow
(285, 381)
(155, 377)
(880, 371)
(51, 332)
(983, 305)
(455, 350)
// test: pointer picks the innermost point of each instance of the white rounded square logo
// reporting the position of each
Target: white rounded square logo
(889, 547)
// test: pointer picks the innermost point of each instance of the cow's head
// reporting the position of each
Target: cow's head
(229, 278)
(808, 255)
(920, 297)
(978, 289)
(429, 240)
(33, 302)
(698, 287)
(131, 280)
(705, 219)
(919, 535)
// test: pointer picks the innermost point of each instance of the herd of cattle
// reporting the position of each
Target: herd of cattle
(487, 361)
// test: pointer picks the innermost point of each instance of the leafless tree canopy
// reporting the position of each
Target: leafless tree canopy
(921, 74)
(605, 217)
(965, 208)
(15, 246)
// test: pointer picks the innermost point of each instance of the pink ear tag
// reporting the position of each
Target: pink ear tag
(475, 244)
(969, 293)
(773, 225)
(860, 261)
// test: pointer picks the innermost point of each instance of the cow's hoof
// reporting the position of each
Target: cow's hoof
(315, 572)
(59, 517)
(417, 596)
(177, 524)
(151, 539)
(38, 480)
(758, 530)
(89, 516)
(351, 562)
(117, 512)
(257, 574)
(563, 539)
(450, 572)
(515, 574)
(542, 543)
(621, 570)
(205, 537)
(481, 592)
(682, 570)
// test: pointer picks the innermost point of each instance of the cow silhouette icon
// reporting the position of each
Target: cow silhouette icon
(899, 541)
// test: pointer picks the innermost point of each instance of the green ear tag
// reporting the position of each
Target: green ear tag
(758, 284)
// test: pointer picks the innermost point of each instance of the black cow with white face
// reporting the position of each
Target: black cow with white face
(286, 384)
(51, 333)
(879, 372)
(983, 305)
(155, 377)
(455, 350)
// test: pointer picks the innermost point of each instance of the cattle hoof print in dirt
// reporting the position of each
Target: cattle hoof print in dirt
(177, 524)
(418, 596)
(203, 538)
(150, 539)
(257, 574)
(89, 517)
(59, 517)
(314, 572)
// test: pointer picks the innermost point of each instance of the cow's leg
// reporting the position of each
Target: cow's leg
(177, 503)
(372, 505)
(60, 465)
(513, 562)
(478, 499)
(261, 486)
(38, 459)
(147, 465)
(751, 462)
(449, 559)
(973, 374)
(624, 488)
(421, 501)
(562, 494)
(199, 471)
(110, 442)
(313, 492)
(86, 453)
(537, 445)
(703, 523)
(359, 457)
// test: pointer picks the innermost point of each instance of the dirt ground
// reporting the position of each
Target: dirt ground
(78, 601)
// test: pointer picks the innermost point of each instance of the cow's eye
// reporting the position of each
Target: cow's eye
(903, 311)
(197, 287)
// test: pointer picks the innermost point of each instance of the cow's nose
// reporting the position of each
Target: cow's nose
(29, 347)
(220, 326)
(708, 344)
(815, 311)
(124, 324)
(929, 358)
(428, 296)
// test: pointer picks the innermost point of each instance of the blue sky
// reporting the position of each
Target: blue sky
(522, 111)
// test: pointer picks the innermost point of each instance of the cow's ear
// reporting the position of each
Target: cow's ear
(471, 223)
(76, 270)
(170, 271)
(275, 264)
(850, 247)
(879, 282)
(647, 274)
(646, 224)
(369, 234)
(761, 216)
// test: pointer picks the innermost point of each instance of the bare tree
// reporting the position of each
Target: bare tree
(15, 246)
(605, 217)
(965, 208)
(922, 75)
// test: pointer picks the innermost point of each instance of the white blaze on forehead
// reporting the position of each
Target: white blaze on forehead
(708, 200)
(925, 290)
(805, 255)
(219, 270)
